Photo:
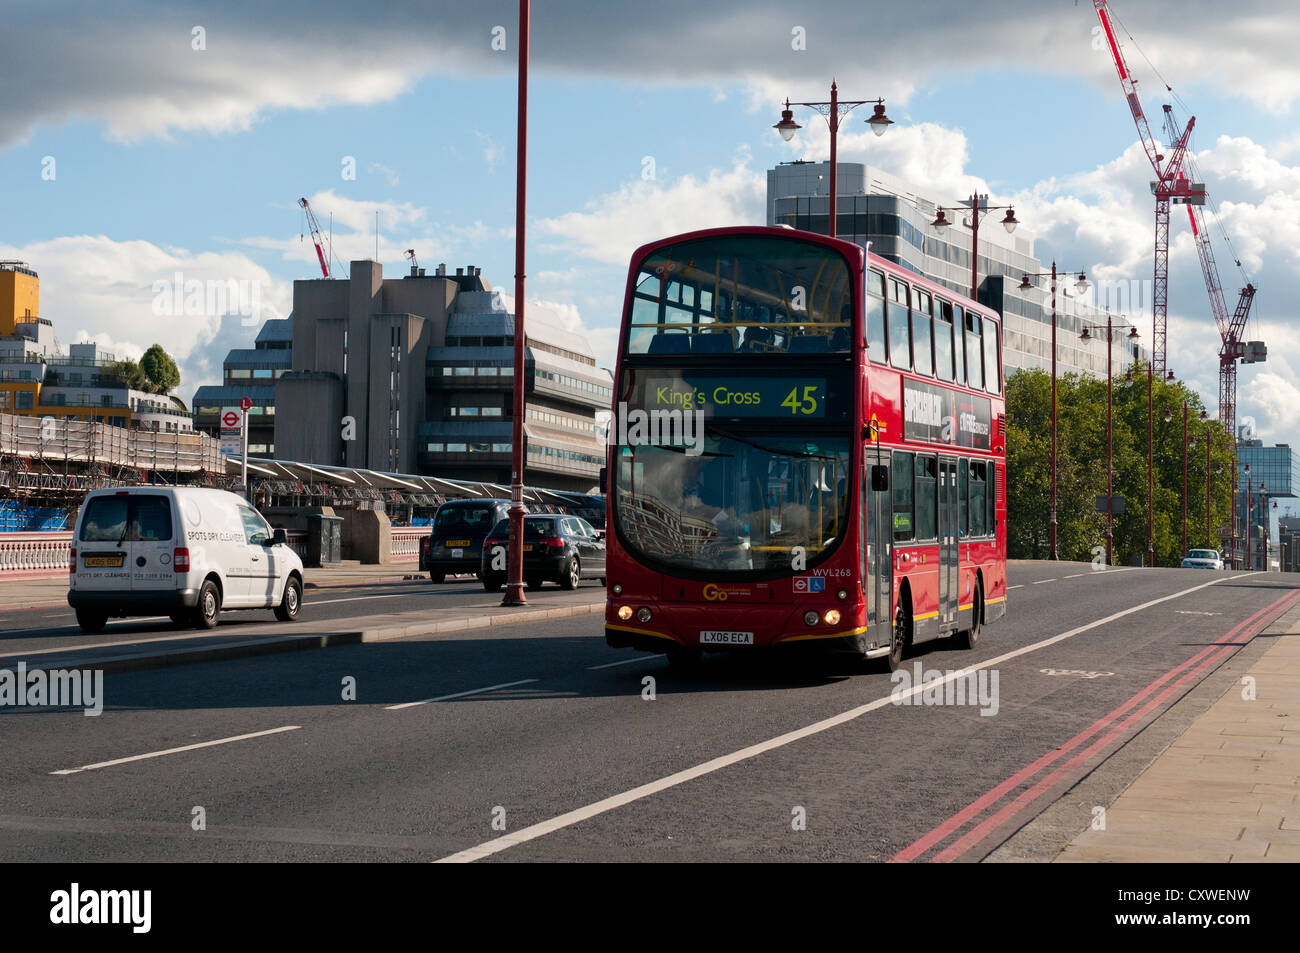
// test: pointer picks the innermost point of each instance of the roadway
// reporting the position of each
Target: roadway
(544, 727)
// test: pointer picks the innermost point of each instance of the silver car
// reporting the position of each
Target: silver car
(1202, 559)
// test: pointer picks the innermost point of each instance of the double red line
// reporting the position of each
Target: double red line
(1139, 706)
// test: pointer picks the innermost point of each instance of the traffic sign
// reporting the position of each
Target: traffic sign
(245, 403)
(230, 420)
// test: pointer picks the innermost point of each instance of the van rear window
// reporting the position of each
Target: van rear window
(473, 518)
(134, 518)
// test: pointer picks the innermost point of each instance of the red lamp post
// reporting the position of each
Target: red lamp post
(514, 594)
(977, 205)
(1081, 286)
(1248, 534)
(1085, 335)
(834, 111)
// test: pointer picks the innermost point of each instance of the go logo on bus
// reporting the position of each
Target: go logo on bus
(713, 594)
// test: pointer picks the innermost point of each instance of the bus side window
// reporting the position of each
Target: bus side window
(927, 505)
(992, 357)
(974, 351)
(993, 500)
(978, 498)
(922, 334)
(963, 496)
(959, 340)
(943, 340)
(874, 318)
(902, 487)
(900, 347)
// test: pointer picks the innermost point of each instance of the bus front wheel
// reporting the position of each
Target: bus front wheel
(899, 638)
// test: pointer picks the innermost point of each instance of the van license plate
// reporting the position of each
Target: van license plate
(110, 561)
(716, 637)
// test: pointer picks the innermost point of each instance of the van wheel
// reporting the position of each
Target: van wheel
(289, 605)
(572, 573)
(91, 621)
(436, 577)
(207, 613)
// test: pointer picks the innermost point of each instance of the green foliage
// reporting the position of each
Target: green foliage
(129, 373)
(160, 369)
(1081, 467)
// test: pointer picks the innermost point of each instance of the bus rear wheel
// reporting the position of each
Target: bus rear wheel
(968, 638)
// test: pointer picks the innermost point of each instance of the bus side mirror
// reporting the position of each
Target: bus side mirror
(879, 477)
(604, 480)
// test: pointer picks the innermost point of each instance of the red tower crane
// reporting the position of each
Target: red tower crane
(315, 236)
(1232, 348)
(1169, 184)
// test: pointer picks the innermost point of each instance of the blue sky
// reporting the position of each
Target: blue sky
(173, 159)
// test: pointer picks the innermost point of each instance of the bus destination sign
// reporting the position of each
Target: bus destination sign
(791, 398)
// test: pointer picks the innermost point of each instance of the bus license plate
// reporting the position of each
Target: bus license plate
(716, 637)
(111, 561)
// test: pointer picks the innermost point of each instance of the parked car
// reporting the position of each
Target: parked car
(455, 540)
(1203, 559)
(186, 552)
(557, 548)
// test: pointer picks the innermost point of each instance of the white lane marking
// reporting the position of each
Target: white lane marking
(1039, 582)
(506, 841)
(1021, 586)
(159, 754)
(626, 661)
(472, 691)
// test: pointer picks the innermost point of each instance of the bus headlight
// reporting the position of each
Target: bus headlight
(810, 617)
(625, 612)
(832, 616)
(643, 614)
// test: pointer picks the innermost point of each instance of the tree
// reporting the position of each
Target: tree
(160, 369)
(129, 373)
(1081, 467)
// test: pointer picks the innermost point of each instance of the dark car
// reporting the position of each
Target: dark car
(557, 548)
(455, 541)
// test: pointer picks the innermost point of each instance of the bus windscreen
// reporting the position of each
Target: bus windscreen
(741, 294)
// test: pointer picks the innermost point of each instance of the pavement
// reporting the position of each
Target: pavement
(1228, 788)
(427, 743)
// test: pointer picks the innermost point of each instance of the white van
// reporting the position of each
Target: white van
(186, 552)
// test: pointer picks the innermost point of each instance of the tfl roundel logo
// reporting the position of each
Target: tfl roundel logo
(809, 583)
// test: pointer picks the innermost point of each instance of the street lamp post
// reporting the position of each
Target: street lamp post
(1151, 539)
(1081, 286)
(1209, 439)
(1085, 335)
(833, 112)
(976, 204)
(1248, 540)
(1184, 477)
(514, 594)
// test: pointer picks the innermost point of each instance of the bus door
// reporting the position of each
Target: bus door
(877, 503)
(948, 542)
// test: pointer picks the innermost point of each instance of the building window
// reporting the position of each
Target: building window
(238, 373)
(24, 400)
(455, 448)
(500, 448)
(262, 372)
(433, 447)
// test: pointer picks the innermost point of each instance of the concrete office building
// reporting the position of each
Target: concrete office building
(253, 373)
(877, 207)
(414, 374)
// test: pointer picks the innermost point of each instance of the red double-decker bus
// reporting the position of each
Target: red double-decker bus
(807, 450)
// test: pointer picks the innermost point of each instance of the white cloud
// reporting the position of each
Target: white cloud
(94, 288)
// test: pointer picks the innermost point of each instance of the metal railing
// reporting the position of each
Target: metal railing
(405, 543)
